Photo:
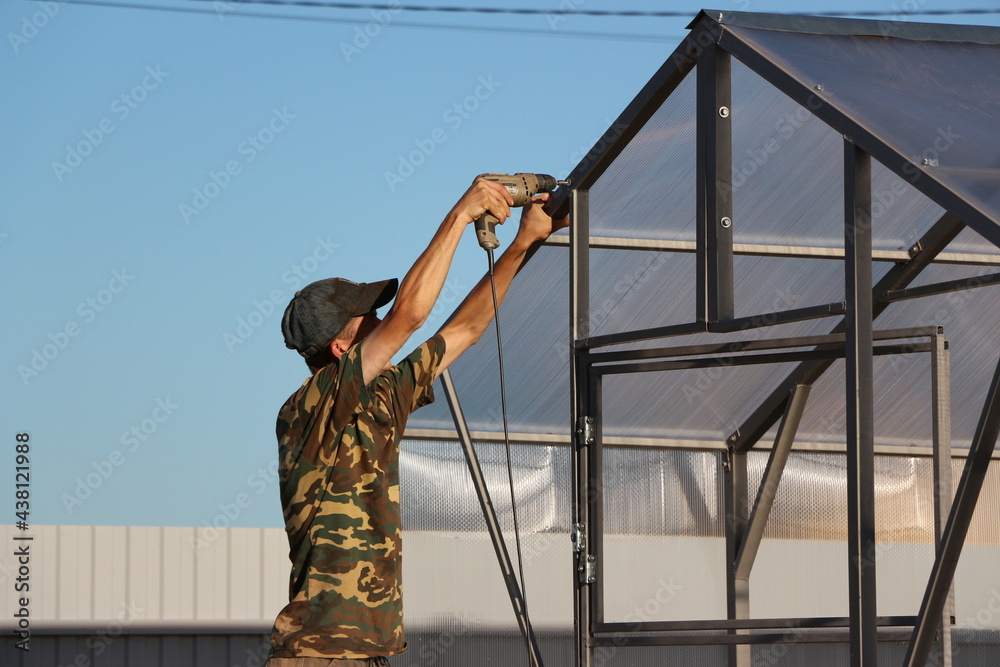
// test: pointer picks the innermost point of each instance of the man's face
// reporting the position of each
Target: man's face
(368, 323)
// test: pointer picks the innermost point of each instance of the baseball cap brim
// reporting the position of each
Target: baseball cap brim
(376, 295)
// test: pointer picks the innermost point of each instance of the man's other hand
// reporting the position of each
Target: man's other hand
(536, 224)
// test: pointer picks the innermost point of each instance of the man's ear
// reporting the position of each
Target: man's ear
(338, 347)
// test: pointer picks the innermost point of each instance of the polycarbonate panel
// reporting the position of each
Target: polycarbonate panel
(968, 241)
(705, 404)
(930, 100)
(438, 493)
(902, 405)
(971, 321)
(787, 168)
(648, 191)
(661, 492)
(632, 290)
(788, 177)
(534, 321)
(662, 545)
(765, 285)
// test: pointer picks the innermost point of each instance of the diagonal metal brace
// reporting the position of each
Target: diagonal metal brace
(492, 523)
(959, 519)
(769, 482)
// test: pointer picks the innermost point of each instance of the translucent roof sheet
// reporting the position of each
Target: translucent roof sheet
(909, 94)
(933, 101)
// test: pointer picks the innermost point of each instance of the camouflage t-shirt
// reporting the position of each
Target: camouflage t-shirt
(338, 448)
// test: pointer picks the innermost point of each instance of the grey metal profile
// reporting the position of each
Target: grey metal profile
(757, 519)
(860, 413)
(713, 187)
(579, 317)
(943, 487)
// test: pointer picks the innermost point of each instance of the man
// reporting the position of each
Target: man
(338, 436)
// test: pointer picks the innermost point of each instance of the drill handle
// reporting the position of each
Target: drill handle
(485, 226)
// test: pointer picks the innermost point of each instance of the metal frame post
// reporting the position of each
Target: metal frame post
(859, 401)
(941, 425)
(714, 187)
(579, 279)
(736, 516)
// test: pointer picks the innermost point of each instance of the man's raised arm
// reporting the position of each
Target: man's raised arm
(475, 313)
(423, 282)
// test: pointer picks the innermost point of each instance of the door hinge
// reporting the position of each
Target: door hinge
(588, 570)
(585, 430)
(579, 537)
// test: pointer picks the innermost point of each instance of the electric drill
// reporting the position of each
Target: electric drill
(522, 187)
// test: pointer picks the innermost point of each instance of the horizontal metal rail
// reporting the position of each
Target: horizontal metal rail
(775, 250)
(746, 624)
(753, 359)
(794, 636)
(686, 444)
(940, 288)
(753, 345)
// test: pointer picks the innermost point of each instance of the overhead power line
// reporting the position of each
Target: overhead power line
(400, 24)
(456, 9)
(230, 8)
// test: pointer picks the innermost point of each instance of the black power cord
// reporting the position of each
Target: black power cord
(506, 439)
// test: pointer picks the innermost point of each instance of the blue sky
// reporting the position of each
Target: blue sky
(170, 179)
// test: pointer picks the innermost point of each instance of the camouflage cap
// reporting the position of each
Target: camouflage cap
(320, 310)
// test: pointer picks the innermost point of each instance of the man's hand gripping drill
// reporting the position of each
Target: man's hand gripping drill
(521, 187)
